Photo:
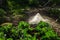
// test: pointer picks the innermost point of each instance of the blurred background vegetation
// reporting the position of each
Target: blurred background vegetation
(10, 8)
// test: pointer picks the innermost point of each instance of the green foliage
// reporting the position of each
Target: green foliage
(14, 7)
(2, 13)
(46, 32)
(33, 3)
(43, 24)
(56, 1)
(1, 34)
(15, 32)
(23, 25)
(18, 6)
(9, 39)
(2, 39)
(6, 26)
(23, 31)
(54, 13)
(49, 35)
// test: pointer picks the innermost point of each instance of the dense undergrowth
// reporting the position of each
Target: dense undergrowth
(12, 11)
(24, 31)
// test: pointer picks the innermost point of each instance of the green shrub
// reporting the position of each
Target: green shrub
(46, 32)
(23, 31)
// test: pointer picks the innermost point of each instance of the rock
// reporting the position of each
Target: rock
(36, 19)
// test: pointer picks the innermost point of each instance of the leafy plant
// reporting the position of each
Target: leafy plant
(6, 26)
(23, 31)
(15, 32)
(46, 32)
(43, 24)
(2, 35)
(9, 39)
(23, 25)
